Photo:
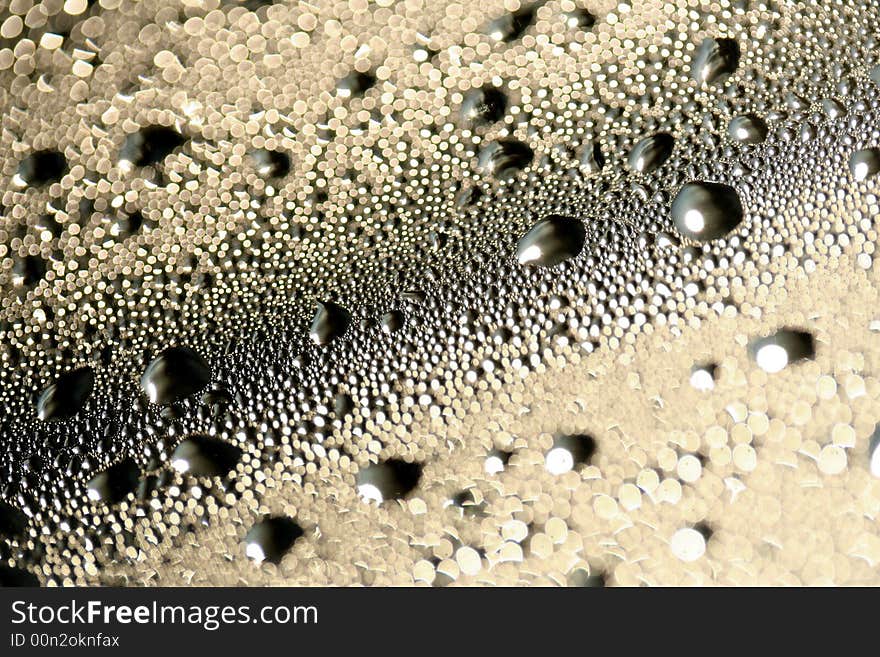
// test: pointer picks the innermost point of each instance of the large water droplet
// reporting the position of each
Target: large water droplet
(150, 145)
(176, 373)
(747, 129)
(204, 456)
(775, 352)
(271, 538)
(483, 105)
(865, 163)
(568, 452)
(28, 270)
(551, 241)
(505, 158)
(271, 164)
(650, 153)
(389, 480)
(706, 211)
(715, 60)
(115, 483)
(510, 26)
(12, 521)
(67, 395)
(41, 168)
(329, 322)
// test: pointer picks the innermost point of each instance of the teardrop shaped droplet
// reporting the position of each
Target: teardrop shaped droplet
(865, 163)
(176, 373)
(747, 129)
(389, 480)
(329, 322)
(67, 395)
(551, 241)
(504, 158)
(271, 538)
(706, 211)
(115, 483)
(150, 145)
(483, 105)
(651, 152)
(204, 456)
(715, 60)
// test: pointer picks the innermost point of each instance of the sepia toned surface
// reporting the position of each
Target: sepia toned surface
(438, 293)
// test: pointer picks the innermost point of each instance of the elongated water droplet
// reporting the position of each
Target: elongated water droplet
(176, 373)
(67, 395)
(706, 211)
(650, 153)
(715, 60)
(329, 322)
(115, 483)
(204, 456)
(389, 480)
(271, 538)
(776, 352)
(551, 241)
(747, 129)
(505, 158)
(150, 145)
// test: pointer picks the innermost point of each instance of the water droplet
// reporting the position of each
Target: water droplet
(392, 322)
(150, 145)
(392, 479)
(486, 104)
(271, 164)
(510, 26)
(329, 322)
(204, 456)
(590, 157)
(706, 211)
(688, 544)
(115, 483)
(496, 461)
(865, 163)
(12, 521)
(271, 538)
(578, 19)
(504, 158)
(27, 271)
(651, 152)
(586, 578)
(568, 452)
(715, 60)
(775, 352)
(747, 129)
(15, 577)
(354, 84)
(551, 241)
(41, 168)
(703, 377)
(176, 373)
(67, 395)
(874, 452)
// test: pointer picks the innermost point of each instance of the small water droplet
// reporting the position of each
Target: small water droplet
(271, 164)
(271, 538)
(510, 26)
(483, 105)
(775, 352)
(568, 452)
(150, 145)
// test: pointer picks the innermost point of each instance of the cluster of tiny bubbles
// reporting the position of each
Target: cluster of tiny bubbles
(436, 293)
